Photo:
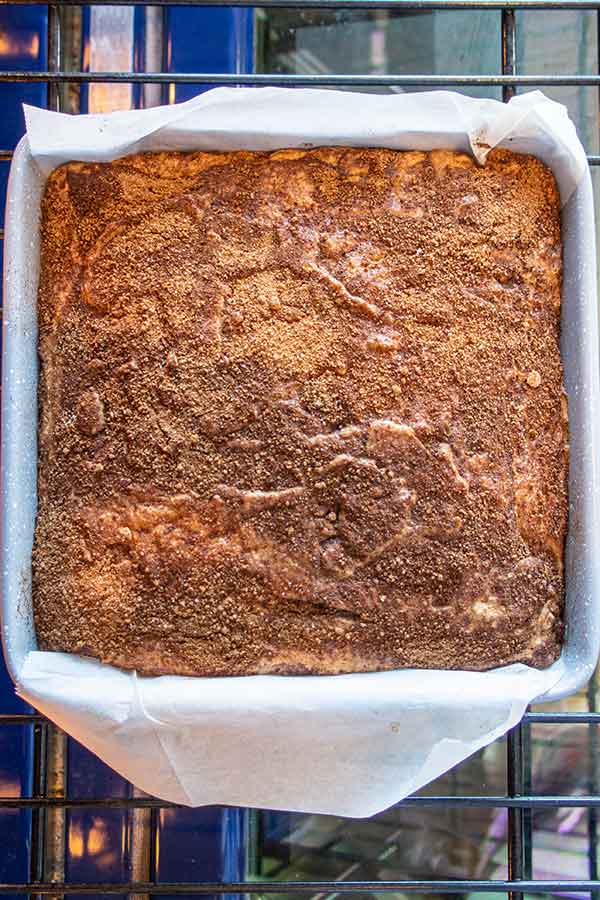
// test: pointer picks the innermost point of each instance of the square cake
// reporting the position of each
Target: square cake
(301, 412)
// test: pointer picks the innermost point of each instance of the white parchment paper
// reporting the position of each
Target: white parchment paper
(348, 745)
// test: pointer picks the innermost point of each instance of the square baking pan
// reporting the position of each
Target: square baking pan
(579, 348)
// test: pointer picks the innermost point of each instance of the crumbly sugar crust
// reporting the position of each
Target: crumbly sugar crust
(301, 412)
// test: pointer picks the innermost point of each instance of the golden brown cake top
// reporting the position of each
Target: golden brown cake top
(301, 411)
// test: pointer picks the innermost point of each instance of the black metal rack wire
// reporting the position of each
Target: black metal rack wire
(49, 802)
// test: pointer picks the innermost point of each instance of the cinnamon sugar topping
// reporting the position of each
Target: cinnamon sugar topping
(301, 412)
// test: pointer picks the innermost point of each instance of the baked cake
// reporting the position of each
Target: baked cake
(301, 412)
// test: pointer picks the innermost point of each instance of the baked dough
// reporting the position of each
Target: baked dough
(301, 412)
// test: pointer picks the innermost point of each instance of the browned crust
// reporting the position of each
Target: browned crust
(301, 412)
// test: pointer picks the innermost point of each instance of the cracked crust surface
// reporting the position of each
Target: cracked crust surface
(301, 412)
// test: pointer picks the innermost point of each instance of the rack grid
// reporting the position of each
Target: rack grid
(49, 802)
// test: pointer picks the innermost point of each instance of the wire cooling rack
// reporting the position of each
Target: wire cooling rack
(49, 802)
